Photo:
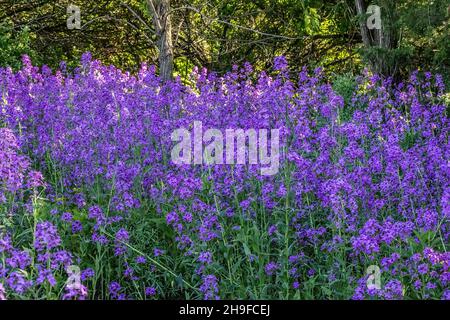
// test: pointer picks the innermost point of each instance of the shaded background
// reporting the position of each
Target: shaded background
(217, 34)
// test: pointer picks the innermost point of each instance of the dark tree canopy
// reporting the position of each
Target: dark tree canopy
(217, 34)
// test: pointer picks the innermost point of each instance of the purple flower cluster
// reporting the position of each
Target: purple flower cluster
(16, 175)
(21, 273)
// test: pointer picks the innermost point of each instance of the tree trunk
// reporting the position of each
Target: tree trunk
(361, 10)
(380, 45)
(163, 27)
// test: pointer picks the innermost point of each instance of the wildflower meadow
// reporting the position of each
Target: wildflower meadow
(110, 190)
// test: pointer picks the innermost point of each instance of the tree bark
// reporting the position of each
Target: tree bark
(383, 42)
(163, 27)
(361, 10)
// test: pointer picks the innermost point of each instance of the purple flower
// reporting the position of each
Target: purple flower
(60, 258)
(114, 288)
(158, 252)
(187, 217)
(205, 257)
(141, 260)
(172, 218)
(17, 282)
(77, 227)
(311, 272)
(96, 213)
(87, 274)
(430, 286)
(122, 235)
(245, 204)
(417, 285)
(393, 290)
(46, 275)
(280, 63)
(19, 259)
(99, 238)
(46, 236)
(209, 287)
(271, 268)
(445, 295)
(35, 179)
(272, 229)
(423, 268)
(150, 291)
(66, 216)
(78, 292)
